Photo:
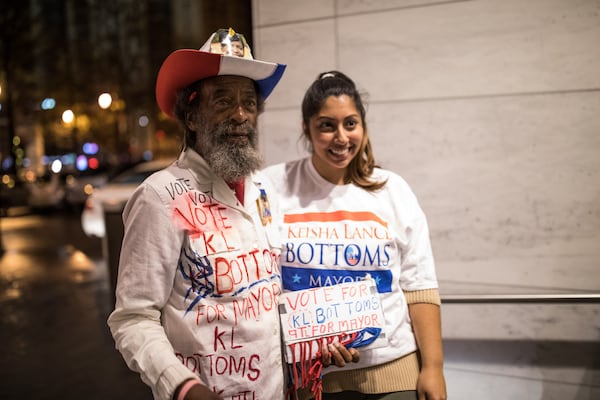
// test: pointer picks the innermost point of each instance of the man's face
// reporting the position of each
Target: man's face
(226, 126)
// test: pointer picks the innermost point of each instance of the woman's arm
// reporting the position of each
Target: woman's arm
(426, 323)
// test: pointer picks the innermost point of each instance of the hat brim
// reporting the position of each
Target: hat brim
(186, 66)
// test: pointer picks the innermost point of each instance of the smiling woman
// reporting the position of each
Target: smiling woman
(335, 134)
(347, 219)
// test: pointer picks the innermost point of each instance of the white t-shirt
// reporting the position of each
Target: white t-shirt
(337, 233)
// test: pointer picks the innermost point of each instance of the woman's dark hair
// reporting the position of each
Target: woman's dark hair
(187, 103)
(335, 83)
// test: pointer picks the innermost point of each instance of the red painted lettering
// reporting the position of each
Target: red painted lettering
(210, 312)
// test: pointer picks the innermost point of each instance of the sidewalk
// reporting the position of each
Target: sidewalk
(54, 301)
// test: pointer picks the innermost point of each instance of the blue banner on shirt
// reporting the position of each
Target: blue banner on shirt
(295, 278)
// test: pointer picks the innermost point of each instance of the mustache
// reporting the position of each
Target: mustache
(228, 128)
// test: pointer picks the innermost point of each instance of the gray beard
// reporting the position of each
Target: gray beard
(230, 161)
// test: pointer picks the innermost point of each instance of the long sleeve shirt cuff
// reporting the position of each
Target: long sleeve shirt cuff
(429, 296)
(170, 378)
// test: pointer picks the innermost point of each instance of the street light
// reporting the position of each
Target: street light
(104, 100)
(68, 116)
(73, 124)
(116, 106)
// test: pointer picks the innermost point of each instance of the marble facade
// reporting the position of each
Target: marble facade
(490, 109)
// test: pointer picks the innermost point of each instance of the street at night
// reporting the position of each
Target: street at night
(55, 297)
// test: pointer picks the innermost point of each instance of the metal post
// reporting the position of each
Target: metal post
(113, 237)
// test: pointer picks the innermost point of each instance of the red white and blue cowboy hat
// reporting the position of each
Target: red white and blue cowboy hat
(186, 66)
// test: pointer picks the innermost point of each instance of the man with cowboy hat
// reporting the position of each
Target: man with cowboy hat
(196, 299)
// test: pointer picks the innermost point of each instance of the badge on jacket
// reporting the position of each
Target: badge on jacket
(264, 209)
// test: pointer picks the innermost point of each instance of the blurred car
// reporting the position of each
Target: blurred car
(46, 192)
(117, 191)
(80, 185)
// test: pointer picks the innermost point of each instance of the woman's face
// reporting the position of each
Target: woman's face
(336, 133)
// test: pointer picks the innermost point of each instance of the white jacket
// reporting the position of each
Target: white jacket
(198, 284)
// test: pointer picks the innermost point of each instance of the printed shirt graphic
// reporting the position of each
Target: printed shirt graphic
(344, 245)
(339, 233)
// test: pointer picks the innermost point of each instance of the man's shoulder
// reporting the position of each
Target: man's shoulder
(174, 181)
(166, 174)
(281, 171)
